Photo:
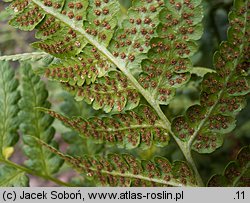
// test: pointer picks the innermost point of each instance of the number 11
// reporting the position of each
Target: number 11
(240, 195)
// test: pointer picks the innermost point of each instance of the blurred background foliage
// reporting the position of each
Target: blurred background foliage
(13, 41)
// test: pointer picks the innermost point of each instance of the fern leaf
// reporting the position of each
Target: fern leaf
(84, 68)
(138, 128)
(110, 93)
(59, 38)
(63, 35)
(204, 125)
(12, 177)
(77, 8)
(132, 40)
(101, 20)
(37, 124)
(60, 46)
(26, 15)
(168, 65)
(9, 97)
(126, 170)
(236, 174)
(34, 56)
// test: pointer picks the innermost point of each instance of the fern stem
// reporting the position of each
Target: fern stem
(185, 150)
(32, 172)
(141, 177)
(187, 153)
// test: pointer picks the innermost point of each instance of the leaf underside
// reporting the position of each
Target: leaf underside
(138, 128)
(81, 63)
(236, 174)
(152, 45)
(126, 170)
(168, 65)
(223, 93)
(154, 40)
(112, 92)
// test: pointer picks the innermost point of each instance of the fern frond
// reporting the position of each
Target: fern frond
(12, 177)
(236, 174)
(64, 36)
(101, 20)
(34, 56)
(9, 97)
(111, 93)
(168, 65)
(204, 125)
(37, 124)
(127, 170)
(131, 41)
(61, 38)
(85, 68)
(138, 128)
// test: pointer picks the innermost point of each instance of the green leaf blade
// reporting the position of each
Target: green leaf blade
(223, 93)
(112, 93)
(34, 56)
(126, 170)
(26, 15)
(86, 67)
(168, 65)
(37, 124)
(101, 20)
(236, 173)
(140, 127)
(12, 177)
(9, 97)
(132, 40)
